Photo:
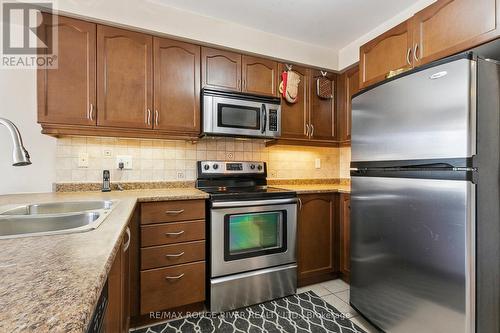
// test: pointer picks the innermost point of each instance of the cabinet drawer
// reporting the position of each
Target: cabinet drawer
(170, 233)
(169, 211)
(168, 255)
(166, 288)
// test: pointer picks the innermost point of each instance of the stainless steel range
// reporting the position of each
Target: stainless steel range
(252, 235)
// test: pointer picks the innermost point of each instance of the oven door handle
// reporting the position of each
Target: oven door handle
(264, 118)
(244, 203)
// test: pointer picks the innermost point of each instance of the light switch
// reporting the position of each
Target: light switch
(317, 163)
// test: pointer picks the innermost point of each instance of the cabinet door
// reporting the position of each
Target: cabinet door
(114, 312)
(294, 115)
(348, 85)
(67, 95)
(176, 86)
(387, 52)
(124, 78)
(345, 236)
(260, 76)
(125, 272)
(316, 238)
(118, 310)
(220, 69)
(322, 111)
(451, 26)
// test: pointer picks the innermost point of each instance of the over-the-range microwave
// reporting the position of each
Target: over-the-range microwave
(241, 115)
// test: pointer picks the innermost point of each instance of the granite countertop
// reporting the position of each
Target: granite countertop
(52, 283)
(316, 188)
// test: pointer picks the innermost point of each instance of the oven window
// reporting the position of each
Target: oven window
(236, 116)
(255, 234)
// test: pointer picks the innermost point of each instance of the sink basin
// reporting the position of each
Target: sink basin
(53, 218)
(33, 224)
(58, 207)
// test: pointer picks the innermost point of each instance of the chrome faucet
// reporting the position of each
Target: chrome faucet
(20, 156)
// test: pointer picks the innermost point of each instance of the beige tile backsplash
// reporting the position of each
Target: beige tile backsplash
(164, 160)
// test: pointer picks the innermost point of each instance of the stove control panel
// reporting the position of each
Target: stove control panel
(227, 168)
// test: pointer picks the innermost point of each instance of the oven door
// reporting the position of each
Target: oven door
(249, 235)
(229, 116)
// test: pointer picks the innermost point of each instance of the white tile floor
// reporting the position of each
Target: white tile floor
(336, 292)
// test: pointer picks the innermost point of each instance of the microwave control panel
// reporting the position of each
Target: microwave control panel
(273, 120)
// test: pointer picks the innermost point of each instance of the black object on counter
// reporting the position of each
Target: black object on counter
(105, 181)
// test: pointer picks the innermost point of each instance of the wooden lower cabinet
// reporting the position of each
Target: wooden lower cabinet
(171, 287)
(118, 309)
(171, 257)
(345, 236)
(168, 211)
(317, 238)
(174, 254)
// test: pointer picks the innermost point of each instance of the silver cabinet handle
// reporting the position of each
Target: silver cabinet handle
(91, 112)
(300, 204)
(174, 255)
(126, 246)
(174, 234)
(307, 129)
(238, 83)
(149, 117)
(415, 52)
(312, 130)
(174, 277)
(174, 212)
(408, 56)
(157, 118)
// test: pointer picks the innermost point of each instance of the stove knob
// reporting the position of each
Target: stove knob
(252, 166)
(206, 167)
(215, 166)
(259, 167)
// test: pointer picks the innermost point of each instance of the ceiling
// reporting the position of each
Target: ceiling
(328, 23)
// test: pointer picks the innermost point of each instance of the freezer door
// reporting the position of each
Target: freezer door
(429, 114)
(412, 253)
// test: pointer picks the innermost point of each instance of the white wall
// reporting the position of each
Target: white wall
(350, 54)
(18, 97)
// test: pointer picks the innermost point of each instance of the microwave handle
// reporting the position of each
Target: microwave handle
(264, 117)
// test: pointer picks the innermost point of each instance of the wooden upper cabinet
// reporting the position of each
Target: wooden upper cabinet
(176, 86)
(67, 95)
(451, 26)
(322, 111)
(295, 115)
(352, 87)
(220, 69)
(316, 238)
(389, 51)
(260, 76)
(124, 78)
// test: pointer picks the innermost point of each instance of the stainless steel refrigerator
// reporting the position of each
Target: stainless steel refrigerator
(425, 253)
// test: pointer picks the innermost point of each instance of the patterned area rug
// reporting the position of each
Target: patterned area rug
(302, 313)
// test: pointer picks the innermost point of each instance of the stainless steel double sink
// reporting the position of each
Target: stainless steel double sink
(53, 218)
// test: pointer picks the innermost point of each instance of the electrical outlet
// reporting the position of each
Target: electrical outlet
(317, 163)
(126, 160)
(83, 160)
(273, 174)
(180, 175)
